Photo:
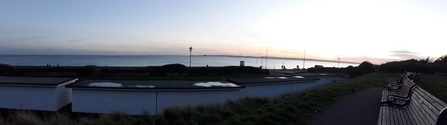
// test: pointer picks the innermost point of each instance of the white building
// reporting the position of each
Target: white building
(272, 86)
(34, 93)
(153, 96)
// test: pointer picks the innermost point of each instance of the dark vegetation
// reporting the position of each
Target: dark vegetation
(290, 108)
(362, 69)
(150, 71)
(413, 65)
(424, 66)
(326, 70)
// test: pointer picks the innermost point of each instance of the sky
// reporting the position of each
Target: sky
(352, 30)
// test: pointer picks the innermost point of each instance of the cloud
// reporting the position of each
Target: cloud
(404, 54)
(75, 40)
(23, 39)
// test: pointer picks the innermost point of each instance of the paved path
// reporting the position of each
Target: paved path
(361, 108)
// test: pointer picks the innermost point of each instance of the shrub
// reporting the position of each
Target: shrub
(326, 70)
(364, 68)
(413, 65)
(88, 70)
(8, 70)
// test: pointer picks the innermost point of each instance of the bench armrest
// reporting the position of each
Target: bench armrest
(392, 102)
(442, 118)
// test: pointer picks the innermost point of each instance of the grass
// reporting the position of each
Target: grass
(290, 108)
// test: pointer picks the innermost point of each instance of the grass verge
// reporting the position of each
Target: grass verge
(290, 108)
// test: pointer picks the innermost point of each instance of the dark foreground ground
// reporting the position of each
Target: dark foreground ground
(361, 108)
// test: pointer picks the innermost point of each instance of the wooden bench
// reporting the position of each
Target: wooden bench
(402, 92)
(422, 108)
(398, 83)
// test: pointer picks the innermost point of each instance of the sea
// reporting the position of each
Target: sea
(159, 60)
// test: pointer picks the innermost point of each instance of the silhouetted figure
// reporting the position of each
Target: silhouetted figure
(57, 64)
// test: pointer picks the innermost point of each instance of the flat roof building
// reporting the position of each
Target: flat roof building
(153, 96)
(34, 93)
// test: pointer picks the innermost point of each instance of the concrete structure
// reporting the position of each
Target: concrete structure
(153, 96)
(272, 86)
(34, 93)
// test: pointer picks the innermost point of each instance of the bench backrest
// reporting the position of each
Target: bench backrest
(407, 84)
(412, 76)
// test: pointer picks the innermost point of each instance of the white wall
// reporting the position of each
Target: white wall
(102, 101)
(63, 96)
(167, 99)
(29, 98)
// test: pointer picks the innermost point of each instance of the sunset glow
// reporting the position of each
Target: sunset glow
(353, 30)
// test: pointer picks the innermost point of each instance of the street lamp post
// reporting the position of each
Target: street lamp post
(338, 62)
(266, 58)
(304, 61)
(190, 51)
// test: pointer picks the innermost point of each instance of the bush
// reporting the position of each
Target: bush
(413, 65)
(326, 70)
(88, 70)
(8, 70)
(173, 68)
(364, 68)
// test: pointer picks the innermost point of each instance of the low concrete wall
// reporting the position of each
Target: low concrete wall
(135, 102)
(104, 101)
(167, 99)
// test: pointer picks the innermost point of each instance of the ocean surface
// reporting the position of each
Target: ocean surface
(157, 60)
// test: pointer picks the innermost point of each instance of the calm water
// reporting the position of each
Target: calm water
(155, 60)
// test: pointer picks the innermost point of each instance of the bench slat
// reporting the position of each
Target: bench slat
(427, 109)
(403, 120)
(408, 119)
(420, 111)
(418, 116)
(382, 116)
(413, 115)
(392, 117)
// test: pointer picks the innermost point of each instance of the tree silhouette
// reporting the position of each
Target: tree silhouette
(364, 68)
(442, 60)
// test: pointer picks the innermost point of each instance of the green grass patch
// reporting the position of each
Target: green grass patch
(288, 109)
